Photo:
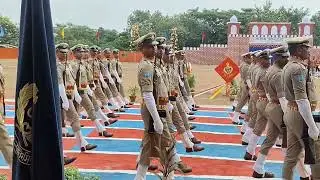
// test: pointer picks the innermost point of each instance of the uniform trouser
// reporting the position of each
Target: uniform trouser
(6, 145)
(73, 117)
(187, 87)
(243, 98)
(261, 121)
(184, 93)
(88, 106)
(295, 150)
(95, 102)
(100, 94)
(107, 92)
(252, 111)
(152, 140)
(121, 90)
(113, 90)
(275, 116)
(177, 119)
(183, 113)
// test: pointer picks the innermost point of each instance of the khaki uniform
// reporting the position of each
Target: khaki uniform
(82, 82)
(116, 67)
(252, 109)
(152, 140)
(274, 87)
(244, 91)
(95, 66)
(294, 79)
(261, 121)
(65, 76)
(184, 77)
(173, 86)
(106, 73)
(6, 146)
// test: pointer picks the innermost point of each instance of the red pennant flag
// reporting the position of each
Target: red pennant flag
(203, 37)
(98, 35)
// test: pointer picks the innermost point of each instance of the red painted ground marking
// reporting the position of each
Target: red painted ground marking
(116, 162)
(68, 143)
(6, 172)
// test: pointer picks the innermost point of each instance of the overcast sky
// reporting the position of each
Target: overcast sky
(112, 14)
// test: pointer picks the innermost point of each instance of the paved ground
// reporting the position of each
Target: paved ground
(115, 157)
(206, 78)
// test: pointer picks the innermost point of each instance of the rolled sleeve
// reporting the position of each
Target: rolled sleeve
(146, 79)
(299, 84)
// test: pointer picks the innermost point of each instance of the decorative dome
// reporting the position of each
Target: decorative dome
(234, 19)
(306, 19)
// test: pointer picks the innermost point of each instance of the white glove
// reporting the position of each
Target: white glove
(283, 103)
(250, 92)
(111, 81)
(305, 111)
(249, 83)
(117, 77)
(77, 96)
(103, 83)
(94, 87)
(170, 107)
(181, 83)
(268, 97)
(65, 105)
(63, 95)
(152, 108)
(89, 91)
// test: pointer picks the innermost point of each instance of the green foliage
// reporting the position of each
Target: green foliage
(3, 177)
(72, 173)
(11, 31)
(235, 88)
(133, 91)
(189, 24)
(167, 162)
(192, 81)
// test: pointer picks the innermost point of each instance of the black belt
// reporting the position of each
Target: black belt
(162, 113)
(81, 91)
(316, 118)
(172, 98)
(69, 96)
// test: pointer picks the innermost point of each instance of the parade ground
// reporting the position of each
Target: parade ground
(115, 158)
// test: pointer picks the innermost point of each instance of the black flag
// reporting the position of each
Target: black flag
(37, 138)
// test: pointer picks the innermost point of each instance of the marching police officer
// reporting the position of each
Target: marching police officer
(68, 92)
(300, 92)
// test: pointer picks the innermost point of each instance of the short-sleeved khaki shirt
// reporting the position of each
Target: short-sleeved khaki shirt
(294, 78)
(274, 83)
(65, 76)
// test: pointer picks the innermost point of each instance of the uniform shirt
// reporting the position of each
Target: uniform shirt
(244, 69)
(253, 73)
(95, 65)
(66, 77)
(259, 81)
(105, 68)
(116, 67)
(2, 85)
(294, 78)
(148, 76)
(174, 88)
(81, 75)
(274, 85)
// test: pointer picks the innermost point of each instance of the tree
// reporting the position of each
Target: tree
(11, 31)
